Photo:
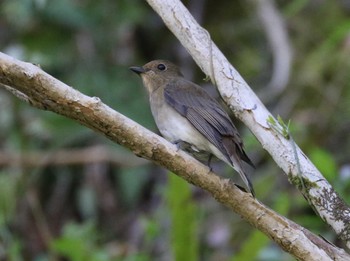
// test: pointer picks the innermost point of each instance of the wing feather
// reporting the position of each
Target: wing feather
(205, 113)
(210, 119)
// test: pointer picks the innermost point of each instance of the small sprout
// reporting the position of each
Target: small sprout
(279, 126)
(271, 120)
(285, 127)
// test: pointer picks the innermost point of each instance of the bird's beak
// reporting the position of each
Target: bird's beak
(137, 69)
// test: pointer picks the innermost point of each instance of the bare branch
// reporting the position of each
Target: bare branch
(91, 112)
(22, 96)
(248, 108)
(276, 32)
(92, 154)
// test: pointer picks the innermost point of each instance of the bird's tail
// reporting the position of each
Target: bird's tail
(246, 181)
(236, 164)
(235, 157)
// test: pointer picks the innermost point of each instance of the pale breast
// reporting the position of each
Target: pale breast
(173, 126)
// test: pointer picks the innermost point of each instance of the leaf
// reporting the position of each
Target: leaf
(184, 239)
(325, 162)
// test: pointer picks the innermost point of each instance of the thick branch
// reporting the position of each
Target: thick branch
(247, 107)
(56, 96)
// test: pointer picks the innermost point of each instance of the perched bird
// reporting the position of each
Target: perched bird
(189, 117)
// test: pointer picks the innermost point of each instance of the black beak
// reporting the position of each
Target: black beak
(137, 69)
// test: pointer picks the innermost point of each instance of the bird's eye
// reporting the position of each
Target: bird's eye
(161, 67)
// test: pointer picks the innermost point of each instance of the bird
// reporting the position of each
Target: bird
(189, 117)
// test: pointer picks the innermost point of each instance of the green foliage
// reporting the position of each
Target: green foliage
(184, 224)
(279, 126)
(131, 182)
(252, 245)
(79, 242)
(89, 45)
(294, 7)
(10, 246)
(8, 196)
(135, 257)
(257, 241)
(325, 163)
(152, 229)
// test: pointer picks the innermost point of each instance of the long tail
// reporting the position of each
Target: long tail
(247, 182)
(236, 164)
(236, 158)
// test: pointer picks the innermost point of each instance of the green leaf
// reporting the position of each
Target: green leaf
(131, 181)
(8, 197)
(325, 162)
(79, 243)
(252, 246)
(184, 239)
(258, 241)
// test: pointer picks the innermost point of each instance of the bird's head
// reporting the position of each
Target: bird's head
(157, 73)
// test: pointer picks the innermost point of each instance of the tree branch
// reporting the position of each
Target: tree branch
(276, 33)
(56, 96)
(248, 108)
(88, 155)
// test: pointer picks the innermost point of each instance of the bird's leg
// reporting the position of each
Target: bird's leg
(181, 145)
(209, 162)
(202, 156)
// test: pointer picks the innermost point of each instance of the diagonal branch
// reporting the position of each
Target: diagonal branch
(248, 108)
(53, 95)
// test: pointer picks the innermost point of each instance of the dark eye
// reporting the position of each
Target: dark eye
(161, 67)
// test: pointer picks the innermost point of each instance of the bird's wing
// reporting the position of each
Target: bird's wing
(205, 113)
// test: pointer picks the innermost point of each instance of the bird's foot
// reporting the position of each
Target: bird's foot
(181, 145)
(209, 163)
(251, 192)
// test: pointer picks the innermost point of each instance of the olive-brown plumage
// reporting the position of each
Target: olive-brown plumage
(186, 114)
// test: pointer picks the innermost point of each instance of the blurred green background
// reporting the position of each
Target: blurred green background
(67, 193)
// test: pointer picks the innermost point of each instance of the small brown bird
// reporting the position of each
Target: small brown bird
(189, 117)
